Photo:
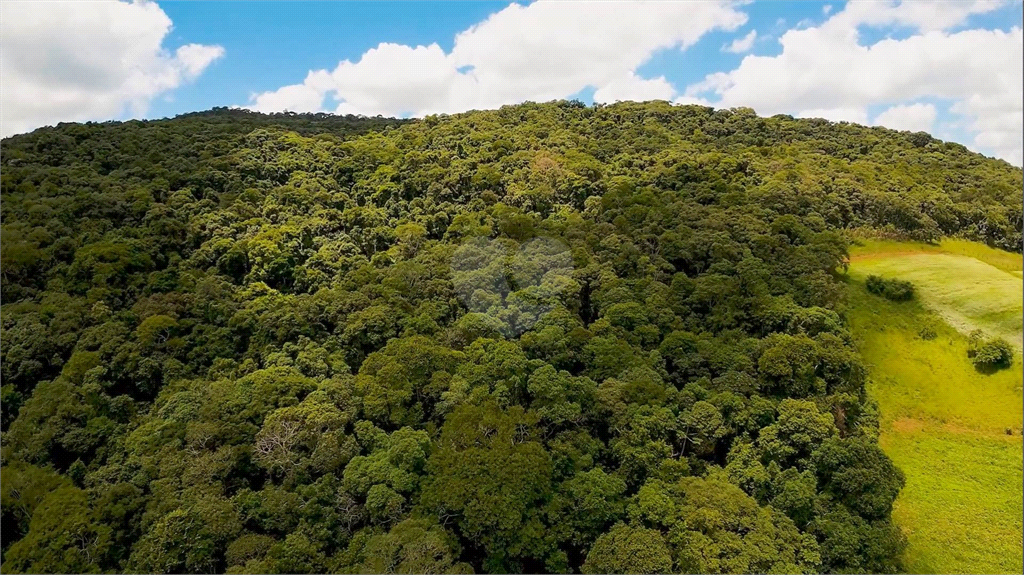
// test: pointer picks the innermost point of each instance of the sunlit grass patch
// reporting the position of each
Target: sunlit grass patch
(944, 423)
(1003, 260)
(961, 507)
(929, 379)
(968, 293)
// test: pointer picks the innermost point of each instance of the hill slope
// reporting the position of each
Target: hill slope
(954, 431)
(968, 293)
(543, 338)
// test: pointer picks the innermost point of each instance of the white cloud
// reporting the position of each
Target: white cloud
(632, 87)
(78, 61)
(825, 70)
(542, 51)
(684, 100)
(295, 98)
(996, 120)
(923, 15)
(194, 58)
(913, 117)
(741, 45)
(850, 114)
(826, 9)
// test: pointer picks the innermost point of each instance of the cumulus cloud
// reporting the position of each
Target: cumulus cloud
(78, 61)
(923, 15)
(849, 114)
(541, 51)
(825, 71)
(741, 45)
(632, 87)
(913, 117)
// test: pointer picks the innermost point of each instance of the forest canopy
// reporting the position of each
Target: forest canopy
(545, 338)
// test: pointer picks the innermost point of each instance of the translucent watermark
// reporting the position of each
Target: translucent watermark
(515, 283)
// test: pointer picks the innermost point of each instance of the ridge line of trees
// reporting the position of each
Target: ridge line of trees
(544, 338)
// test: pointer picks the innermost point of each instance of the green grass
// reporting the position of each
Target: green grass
(934, 380)
(1005, 261)
(943, 422)
(961, 507)
(968, 293)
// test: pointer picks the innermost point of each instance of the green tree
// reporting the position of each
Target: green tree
(190, 539)
(64, 536)
(491, 476)
(626, 549)
(711, 526)
(412, 546)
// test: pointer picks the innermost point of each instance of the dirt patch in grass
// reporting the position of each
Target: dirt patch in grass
(907, 425)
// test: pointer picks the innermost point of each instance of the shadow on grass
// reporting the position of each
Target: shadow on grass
(990, 368)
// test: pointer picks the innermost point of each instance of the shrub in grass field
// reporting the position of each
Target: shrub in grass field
(892, 289)
(875, 284)
(992, 353)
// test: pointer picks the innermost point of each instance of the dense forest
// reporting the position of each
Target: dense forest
(545, 338)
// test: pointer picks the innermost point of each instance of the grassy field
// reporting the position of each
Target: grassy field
(944, 423)
(970, 285)
(1006, 261)
(961, 507)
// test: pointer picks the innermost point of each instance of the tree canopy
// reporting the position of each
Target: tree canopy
(544, 338)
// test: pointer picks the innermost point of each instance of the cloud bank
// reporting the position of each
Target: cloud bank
(825, 71)
(541, 51)
(79, 61)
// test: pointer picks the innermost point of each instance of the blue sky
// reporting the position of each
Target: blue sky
(949, 68)
(272, 44)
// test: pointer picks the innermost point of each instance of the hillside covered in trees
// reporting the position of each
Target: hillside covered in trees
(546, 338)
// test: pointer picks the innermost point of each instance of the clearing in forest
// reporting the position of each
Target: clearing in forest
(969, 285)
(944, 423)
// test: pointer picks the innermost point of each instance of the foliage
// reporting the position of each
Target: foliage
(989, 354)
(544, 338)
(890, 288)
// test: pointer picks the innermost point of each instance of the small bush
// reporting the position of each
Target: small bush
(994, 353)
(891, 289)
(927, 333)
(989, 353)
(875, 284)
